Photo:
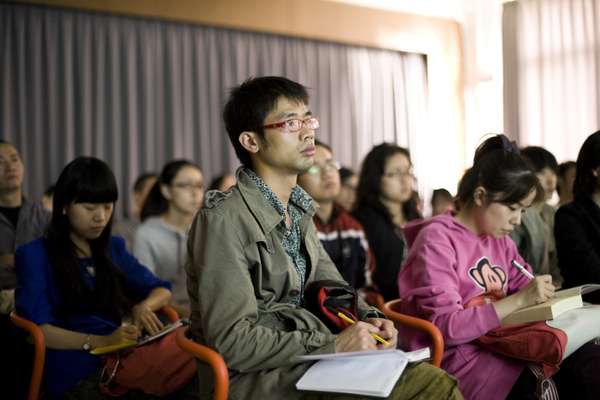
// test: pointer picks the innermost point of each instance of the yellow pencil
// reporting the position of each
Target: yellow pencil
(376, 336)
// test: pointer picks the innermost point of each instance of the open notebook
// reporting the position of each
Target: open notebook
(141, 341)
(369, 373)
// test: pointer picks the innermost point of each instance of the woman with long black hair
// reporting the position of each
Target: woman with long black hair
(79, 284)
(577, 224)
(383, 207)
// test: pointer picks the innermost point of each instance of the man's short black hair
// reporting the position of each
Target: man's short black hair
(250, 103)
(441, 194)
(539, 158)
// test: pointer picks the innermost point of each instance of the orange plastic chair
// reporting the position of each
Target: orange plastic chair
(170, 313)
(39, 343)
(209, 356)
(391, 310)
(39, 356)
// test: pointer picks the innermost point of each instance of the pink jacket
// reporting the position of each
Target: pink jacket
(449, 278)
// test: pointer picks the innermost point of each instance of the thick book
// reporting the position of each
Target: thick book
(142, 340)
(564, 300)
(368, 373)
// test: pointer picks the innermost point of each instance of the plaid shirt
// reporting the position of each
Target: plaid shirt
(299, 203)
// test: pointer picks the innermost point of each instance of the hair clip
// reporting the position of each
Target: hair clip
(510, 146)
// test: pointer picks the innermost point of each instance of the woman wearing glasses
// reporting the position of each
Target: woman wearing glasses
(383, 206)
(160, 241)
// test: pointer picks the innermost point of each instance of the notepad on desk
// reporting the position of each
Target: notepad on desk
(140, 342)
(564, 300)
(370, 373)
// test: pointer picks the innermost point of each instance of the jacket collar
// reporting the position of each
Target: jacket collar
(265, 213)
(26, 206)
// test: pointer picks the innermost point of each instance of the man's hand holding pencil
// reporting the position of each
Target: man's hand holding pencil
(360, 336)
(387, 331)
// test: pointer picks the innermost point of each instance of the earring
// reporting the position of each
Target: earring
(64, 212)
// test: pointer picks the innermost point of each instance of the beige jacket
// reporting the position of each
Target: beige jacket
(240, 281)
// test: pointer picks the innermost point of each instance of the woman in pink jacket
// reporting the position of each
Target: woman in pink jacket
(459, 275)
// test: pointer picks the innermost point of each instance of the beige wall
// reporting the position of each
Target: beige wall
(439, 39)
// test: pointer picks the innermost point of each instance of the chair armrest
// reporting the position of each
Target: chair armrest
(390, 310)
(39, 343)
(209, 356)
(170, 313)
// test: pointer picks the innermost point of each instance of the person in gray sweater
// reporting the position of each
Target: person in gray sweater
(21, 221)
(160, 241)
(535, 236)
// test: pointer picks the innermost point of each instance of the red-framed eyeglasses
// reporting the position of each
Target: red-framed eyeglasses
(294, 125)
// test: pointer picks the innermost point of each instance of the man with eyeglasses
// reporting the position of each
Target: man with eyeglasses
(341, 235)
(253, 249)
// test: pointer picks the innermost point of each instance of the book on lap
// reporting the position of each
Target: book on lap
(369, 373)
(564, 300)
(140, 342)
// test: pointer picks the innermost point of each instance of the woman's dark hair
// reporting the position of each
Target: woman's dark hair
(156, 203)
(140, 181)
(499, 168)
(346, 173)
(84, 180)
(250, 103)
(588, 159)
(49, 190)
(563, 168)
(539, 158)
(369, 183)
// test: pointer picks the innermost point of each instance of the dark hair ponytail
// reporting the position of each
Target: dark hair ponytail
(84, 180)
(501, 171)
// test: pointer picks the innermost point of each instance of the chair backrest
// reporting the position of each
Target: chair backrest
(39, 356)
(209, 356)
(391, 310)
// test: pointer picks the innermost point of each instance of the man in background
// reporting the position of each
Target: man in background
(21, 221)
(342, 236)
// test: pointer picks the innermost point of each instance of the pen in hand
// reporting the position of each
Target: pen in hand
(522, 269)
(351, 321)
